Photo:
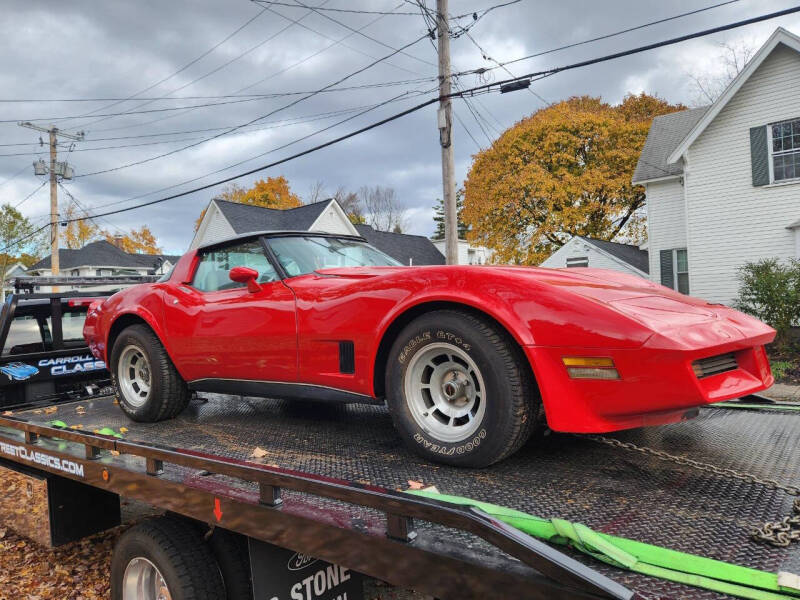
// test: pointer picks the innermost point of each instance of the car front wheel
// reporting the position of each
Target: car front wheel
(459, 389)
(147, 384)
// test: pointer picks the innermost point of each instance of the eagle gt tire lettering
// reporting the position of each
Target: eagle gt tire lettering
(459, 389)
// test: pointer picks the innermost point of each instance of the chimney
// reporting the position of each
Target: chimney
(117, 240)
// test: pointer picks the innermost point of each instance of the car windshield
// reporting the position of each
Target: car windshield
(306, 254)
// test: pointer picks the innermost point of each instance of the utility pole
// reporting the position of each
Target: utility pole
(445, 117)
(56, 169)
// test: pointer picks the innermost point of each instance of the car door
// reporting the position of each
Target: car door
(219, 329)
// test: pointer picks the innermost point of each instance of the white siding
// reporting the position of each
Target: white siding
(213, 227)
(576, 248)
(666, 221)
(731, 221)
(467, 254)
(333, 220)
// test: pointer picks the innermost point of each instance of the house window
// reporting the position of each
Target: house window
(675, 269)
(681, 271)
(785, 150)
(578, 261)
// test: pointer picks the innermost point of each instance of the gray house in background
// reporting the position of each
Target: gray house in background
(599, 254)
(104, 259)
(224, 219)
(722, 181)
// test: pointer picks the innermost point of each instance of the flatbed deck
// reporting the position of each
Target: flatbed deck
(610, 489)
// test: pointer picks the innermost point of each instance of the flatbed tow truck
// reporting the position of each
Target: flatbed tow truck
(286, 499)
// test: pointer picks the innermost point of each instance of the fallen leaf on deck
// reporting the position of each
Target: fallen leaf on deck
(415, 485)
(50, 410)
(8, 413)
(258, 453)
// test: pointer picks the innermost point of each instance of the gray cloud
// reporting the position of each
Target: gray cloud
(85, 49)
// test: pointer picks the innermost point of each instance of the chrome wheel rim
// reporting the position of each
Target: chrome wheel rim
(445, 392)
(143, 581)
(134, 376)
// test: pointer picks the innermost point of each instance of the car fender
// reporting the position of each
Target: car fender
(149, 309)
(500, 310)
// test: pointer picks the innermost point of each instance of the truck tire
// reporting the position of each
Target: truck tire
(459, 389)
(147, 384)
(164, 552)
(233, 557)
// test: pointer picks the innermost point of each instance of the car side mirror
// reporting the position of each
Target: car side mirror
(245, 275)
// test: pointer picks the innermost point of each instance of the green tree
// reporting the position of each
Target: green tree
(15, 235)
(438, 217)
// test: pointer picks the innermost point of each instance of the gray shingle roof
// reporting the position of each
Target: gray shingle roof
(666, 133)
(102, 254)
(413, 249)
(625, 252)
(245, 218)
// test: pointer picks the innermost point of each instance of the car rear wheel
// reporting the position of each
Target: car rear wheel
(148, 386)
(459, 389)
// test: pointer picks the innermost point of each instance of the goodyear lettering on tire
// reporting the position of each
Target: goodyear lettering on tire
(461, 449)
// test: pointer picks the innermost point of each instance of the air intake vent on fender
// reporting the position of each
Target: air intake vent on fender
(347, 357)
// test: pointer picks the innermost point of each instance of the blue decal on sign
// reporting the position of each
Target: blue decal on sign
(18, 371)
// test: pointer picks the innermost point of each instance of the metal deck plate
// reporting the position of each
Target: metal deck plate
(611, 490)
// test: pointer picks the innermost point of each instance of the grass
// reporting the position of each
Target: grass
(780, 368)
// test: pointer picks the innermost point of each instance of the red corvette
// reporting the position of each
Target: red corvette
(470, 360)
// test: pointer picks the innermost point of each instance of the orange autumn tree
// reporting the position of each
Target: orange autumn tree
(78, 233)
(272, 193)
(136, 241)
(565, 170)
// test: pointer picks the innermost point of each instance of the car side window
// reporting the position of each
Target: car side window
(212, 271)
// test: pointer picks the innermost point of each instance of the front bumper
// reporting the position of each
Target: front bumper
(657, 383)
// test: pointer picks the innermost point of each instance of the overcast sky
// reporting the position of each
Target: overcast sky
(115, 49)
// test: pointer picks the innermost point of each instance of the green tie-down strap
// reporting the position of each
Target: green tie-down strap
(647, 559)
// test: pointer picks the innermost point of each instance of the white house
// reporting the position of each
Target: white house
(224, 219)
(722, 181)
(600, 254)
(467, 253)
(102, 259)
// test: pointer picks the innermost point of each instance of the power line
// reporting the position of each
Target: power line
(21, 202)
(617, 33)
(505, 68)
(326, 90)
(465, 128)
(269, 114)
(359, 32)
(335, 42)
(669, 42)
(431, 101)
(184, 67)
(15, 175)
(24, 238)
(286, 145)
(277, 162)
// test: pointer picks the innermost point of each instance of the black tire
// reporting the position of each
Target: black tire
(179, 553)
(168, 394)
(512, 408)
(233, 558)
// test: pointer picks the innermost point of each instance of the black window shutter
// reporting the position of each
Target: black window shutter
(667, 274)
(759, 159)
